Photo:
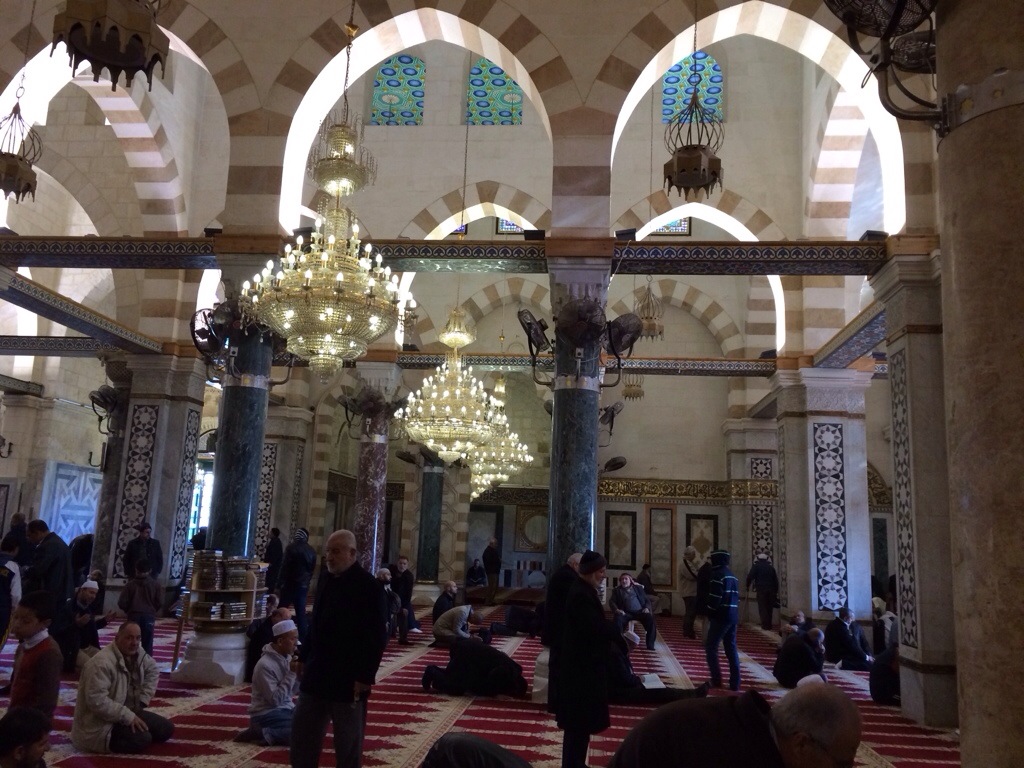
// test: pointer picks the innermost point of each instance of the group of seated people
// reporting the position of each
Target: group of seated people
(115, 689)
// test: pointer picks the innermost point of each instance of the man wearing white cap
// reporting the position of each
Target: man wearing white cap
(85, 623)
(275, 682)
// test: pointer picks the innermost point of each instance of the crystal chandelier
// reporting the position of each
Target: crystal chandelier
(505, 457)
(20, 144)
(116, 35)
(633, 386)
(693, 137)
(452, 414)
(648, 308)
(326, 298)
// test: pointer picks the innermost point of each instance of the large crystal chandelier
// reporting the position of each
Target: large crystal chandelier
(116, 35)
(693, 137)
(20, 145)
(452, 414)
(648, 308)
(504, 457)
(327, 298)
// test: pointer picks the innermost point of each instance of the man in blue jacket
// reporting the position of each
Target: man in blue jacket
(723, 616)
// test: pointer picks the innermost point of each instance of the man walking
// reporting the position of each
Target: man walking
(765, 581)
(492, 567)
(273, 555)
(296, 573)
(723, 616)
(340, 657)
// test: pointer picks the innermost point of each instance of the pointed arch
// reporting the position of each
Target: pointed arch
(483, 198)
(728, 202)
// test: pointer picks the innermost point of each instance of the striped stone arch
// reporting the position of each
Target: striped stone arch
(833, 175)
(80, 187)
(713, 316)
(309, 83)
(484, 198)
(728, 201)
(510, 290)
(665, 35)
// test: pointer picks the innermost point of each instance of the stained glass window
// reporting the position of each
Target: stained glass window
(700, 71)
(398, 91)
(492, 97)
(680, 227)
(506, 227)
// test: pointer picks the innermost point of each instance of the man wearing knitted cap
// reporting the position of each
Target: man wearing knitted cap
(296, 573)
(723, 616)
(581, 707)
(275, 682)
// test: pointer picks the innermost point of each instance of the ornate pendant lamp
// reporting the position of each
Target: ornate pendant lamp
(633, 386)
(20, 144)
(452, 414)
(693, 137)
(328, 299)
(648, 308)
(115, 35)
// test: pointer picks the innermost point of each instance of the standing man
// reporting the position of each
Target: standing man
(19, 530)
(492, 567)
(765, 581)
(723, 616)
(554, 621)
(688, 590)
(296, 573)
(403, 582)
(397, 618)
(340, 658)
(143, 547)
(51, 571)
(273, 555)
(582, 703)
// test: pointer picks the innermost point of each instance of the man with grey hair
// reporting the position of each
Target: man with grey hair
(340, 657)
(814, 726)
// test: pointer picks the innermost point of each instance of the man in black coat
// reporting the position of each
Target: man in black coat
(273, 555)
(402, 581)
(476, 668)
(340, 657)
(845, 644)
(492, 569)
(144, 547)
(801, 655)
(296, 573)
(554, 620)
(765, 581)
(627, 687)
(581, 706)
(51, 571)
(446, 600)
(19, 530)
(814, 725)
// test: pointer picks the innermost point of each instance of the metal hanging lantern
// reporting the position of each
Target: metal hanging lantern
(20, 149)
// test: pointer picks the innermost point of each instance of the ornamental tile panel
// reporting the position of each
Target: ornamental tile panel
(903, 502)
(138, 472)
(186, 487)
(830, 515)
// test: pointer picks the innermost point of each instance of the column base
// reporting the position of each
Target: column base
(541, 673)
(213, 658)
(929, 697)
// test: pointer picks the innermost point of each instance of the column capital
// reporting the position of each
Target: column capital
(906, 270)
(578, 277)
(750, 434)
(384, 377)
(823, 391)
(160, 376)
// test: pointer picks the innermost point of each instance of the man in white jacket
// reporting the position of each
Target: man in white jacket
(274, 684)
(116, 686)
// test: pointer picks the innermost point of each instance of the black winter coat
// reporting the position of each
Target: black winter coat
(139, 548)
(297, 568)
(582, 702)
(796, 660)
(51, 571)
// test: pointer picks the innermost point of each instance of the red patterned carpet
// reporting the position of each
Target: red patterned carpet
(404, 720)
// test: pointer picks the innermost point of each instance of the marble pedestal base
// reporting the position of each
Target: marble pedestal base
(213, 659)
(929, 698)
(541, 673)
(425, 595)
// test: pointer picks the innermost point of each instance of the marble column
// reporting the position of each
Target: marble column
(234, 501)
(824, 528)
(428, 550)
(751, 455)
(909, 287)
(981, 185)
(380, 380)
(574, 425)
(113, 463)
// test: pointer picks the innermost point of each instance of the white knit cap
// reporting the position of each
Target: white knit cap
(90, 584)
(284, 626)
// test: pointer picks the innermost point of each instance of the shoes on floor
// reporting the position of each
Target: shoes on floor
(416, 631)
(250, 734)
(702, 690)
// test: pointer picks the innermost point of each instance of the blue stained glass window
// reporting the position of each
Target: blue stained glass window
(492, 97)
(679, 227)
(398, 90)
(700, 71)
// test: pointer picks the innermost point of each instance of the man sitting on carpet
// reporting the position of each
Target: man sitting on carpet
(475, 576)
(798, 624)
(629, 602)
(115, 688)
(274, 682)
(845, 644)
(476, 668)
(24, 738)
(446, 600)
(626, 687)
(800, 655)
(260, 632)
(454, 623)
(85, 623)
(814, 725)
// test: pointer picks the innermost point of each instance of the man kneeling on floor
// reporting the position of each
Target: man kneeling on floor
(476, 668)
(116, 686)
(275, 682)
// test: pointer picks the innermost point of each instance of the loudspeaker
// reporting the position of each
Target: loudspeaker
(533, 234)
(874, 235)
(625, 234)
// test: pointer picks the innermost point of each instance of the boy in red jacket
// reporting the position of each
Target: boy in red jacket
(38, 660)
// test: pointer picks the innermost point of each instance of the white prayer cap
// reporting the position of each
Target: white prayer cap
(90, 584)
(284, 626)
